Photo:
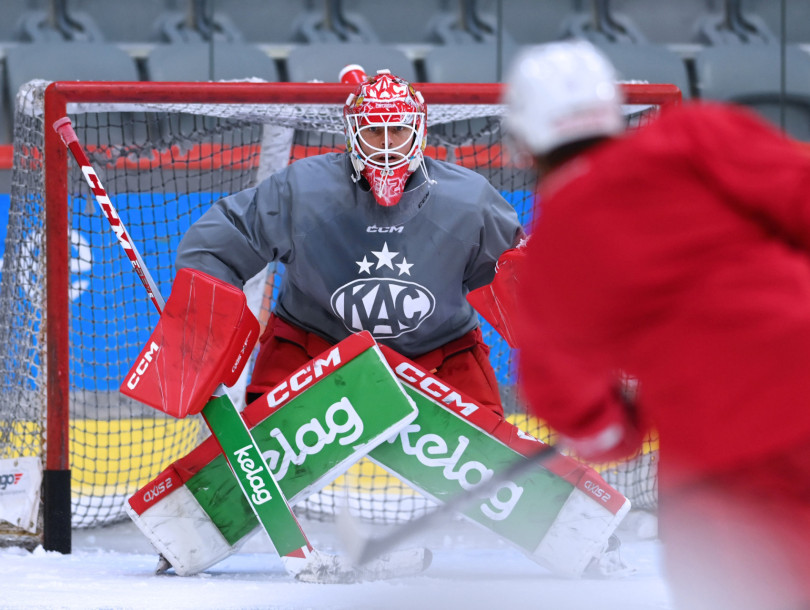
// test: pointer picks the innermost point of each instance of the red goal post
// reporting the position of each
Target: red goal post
(45, 167)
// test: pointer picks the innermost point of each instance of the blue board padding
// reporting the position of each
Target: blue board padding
(108, 296)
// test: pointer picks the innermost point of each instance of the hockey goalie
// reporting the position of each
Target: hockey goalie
(372, 348)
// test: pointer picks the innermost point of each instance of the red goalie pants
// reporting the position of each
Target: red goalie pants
(741, 540)
(463, 363)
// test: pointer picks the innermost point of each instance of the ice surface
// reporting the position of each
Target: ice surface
(114, 568)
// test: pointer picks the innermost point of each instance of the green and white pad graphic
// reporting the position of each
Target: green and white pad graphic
(560, 514)
(309, 429)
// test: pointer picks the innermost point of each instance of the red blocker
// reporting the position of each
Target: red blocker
(202, 340)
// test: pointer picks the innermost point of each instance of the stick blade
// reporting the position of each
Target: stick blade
(324, 568)
(364, 548)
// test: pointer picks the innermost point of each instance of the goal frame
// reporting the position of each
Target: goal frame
(56, 475)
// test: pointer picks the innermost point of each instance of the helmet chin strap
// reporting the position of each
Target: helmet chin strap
(358, 165)
(419, 161)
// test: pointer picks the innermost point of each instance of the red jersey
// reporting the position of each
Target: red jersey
(677, 253)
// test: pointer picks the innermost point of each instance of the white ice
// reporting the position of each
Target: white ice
(114, 567)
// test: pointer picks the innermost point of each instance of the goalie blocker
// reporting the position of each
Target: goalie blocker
(560, 515)
(203, 339)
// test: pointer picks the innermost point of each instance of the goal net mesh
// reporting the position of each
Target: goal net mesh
(163, 165)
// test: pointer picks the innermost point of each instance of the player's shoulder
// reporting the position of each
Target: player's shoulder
(707, 115)
(699, 128)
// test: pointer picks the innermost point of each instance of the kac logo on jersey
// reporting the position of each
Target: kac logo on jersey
(386, 307)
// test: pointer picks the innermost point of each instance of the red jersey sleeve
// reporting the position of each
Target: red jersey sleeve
(758, 170)
(577, 398)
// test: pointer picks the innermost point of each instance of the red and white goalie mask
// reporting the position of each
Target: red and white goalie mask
(385, 134)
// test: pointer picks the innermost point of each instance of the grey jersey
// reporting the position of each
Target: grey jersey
(400, 272)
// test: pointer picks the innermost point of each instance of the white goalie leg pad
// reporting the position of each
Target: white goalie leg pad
(578, 535)
(183, 533)
(194, 507)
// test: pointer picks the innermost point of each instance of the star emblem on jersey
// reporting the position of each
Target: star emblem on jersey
(365, 265)
(385, 306)
(385, 258)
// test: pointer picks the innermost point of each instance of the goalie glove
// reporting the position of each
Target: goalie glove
(496, 301)
(614, 431)
(203, 339)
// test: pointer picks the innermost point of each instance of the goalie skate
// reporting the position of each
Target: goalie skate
(609, 563)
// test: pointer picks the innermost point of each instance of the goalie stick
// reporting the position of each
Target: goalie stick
(248, 466)
(364, 549)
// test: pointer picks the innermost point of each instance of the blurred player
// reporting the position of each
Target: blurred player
(680, 254)
(378, 238)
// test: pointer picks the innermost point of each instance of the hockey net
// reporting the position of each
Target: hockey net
(73, 315)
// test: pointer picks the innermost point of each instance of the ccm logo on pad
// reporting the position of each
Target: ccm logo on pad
(143, 365)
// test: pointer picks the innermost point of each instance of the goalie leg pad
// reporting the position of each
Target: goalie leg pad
(311, 428)
(561, 514)
(177, 526)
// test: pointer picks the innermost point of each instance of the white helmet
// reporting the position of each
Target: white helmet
(561, 92)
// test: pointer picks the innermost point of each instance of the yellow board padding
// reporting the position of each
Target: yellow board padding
(541, 431)
(120, 456)
(24, 439)
(366, 477)
(113, 457)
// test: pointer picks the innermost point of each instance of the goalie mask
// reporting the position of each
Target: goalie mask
(385, 121)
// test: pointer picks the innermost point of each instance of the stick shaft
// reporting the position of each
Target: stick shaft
(222, 418)
(68, 135)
